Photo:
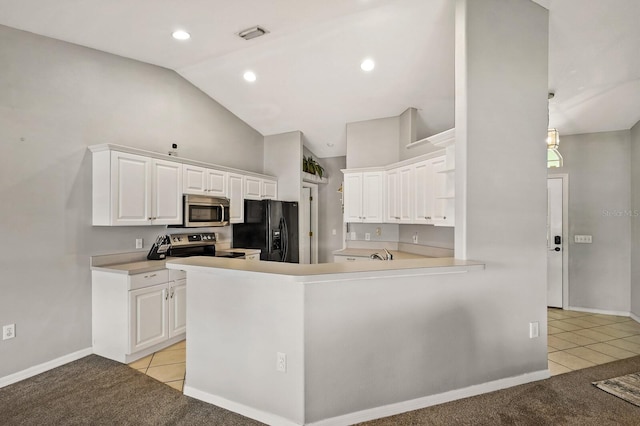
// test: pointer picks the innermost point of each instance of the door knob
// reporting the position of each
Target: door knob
(557, 249)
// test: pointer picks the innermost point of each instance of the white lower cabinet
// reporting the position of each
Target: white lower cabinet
(135, 315)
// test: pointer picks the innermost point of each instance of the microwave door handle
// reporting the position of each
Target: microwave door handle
(223, 213)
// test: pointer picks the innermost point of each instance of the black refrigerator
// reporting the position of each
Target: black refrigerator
(272, 227)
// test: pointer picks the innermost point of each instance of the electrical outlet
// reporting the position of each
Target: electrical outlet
(378, 231)
(333, 232)
(8, 331)
(367, 236)
(534, 329)
(281, 362)
(415, 238)
(138, 242)
(353, 236)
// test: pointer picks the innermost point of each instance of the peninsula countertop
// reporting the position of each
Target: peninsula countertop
(310, 272)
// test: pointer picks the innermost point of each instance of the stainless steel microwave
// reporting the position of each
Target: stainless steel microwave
(202, 211)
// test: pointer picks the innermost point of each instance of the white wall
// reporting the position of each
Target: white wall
(501, 117)
(55, 100)
(283, 158)
(635, 220)
(599, 169)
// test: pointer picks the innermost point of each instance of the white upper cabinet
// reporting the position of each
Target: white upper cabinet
(166, 192)
(399, 196)
(202, 181)
(444, 193)
(363, 193)
(132, 187)
(424, 177)
(256, 188)
(132, 190)
(236, 198)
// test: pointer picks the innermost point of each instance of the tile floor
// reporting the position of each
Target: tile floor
(575, 340)
(579, 340)
(167, 365)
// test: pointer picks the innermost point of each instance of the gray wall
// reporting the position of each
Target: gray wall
(373, 143)
(55, 100)
(635, 220)
(599, 169)
(283, 158)
(330, 209)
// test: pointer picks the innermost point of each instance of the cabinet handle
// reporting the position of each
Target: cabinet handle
(351, 258)
(150, 276)
(172, 291)
(166, 296)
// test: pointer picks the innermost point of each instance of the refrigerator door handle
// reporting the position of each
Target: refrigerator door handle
(284, 234)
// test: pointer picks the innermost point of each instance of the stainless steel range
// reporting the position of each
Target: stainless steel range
(196, 244)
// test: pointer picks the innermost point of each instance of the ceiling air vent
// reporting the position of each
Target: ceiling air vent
(252, 32)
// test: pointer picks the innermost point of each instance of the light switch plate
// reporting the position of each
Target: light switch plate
(582, 239)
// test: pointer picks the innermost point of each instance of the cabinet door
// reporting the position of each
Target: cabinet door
(270, 189)
(392, 198)
(372, 197)
(130, 189)
(167, 193)
(216, 183)
(148, 316)
(423, 178)
(405, 194)
(236, 198)
(439, 192)
(252, 188)
(352, 193)
(194, 179)
(177, 307)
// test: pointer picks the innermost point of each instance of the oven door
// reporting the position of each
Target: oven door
(205, 211)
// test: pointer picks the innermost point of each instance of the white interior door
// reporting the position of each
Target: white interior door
(555, 243)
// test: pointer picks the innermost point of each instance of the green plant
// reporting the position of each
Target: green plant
(309, 165)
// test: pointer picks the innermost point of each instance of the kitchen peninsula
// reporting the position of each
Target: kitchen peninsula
(297, 344)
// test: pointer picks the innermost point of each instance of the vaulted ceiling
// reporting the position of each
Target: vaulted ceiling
(308, 65)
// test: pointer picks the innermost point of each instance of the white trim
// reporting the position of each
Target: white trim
(373, 413)
(252, 413)
(600, 311)
(634, 317)
(427, 401)
(46, 366)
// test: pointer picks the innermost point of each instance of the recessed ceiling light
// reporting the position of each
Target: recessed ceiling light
(181, 35)
(367, 65)
(250, 76)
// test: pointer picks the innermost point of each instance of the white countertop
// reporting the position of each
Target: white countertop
(144, 266)
(359, 252)
(305, 272)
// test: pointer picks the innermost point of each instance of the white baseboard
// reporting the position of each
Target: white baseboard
(427, 401)
(252, 413)
(41, 368)
(599, 311)
(373, 413)
(635, 317)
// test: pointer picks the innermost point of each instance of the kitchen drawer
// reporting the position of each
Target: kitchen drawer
(340, 258)
(148, 279)
(175, 275)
